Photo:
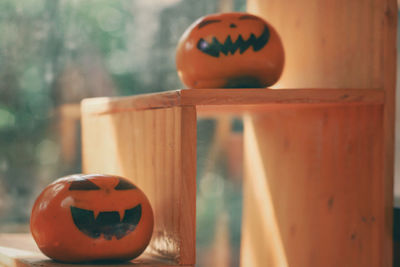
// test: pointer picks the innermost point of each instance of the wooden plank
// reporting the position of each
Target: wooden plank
(229, 97)
(216, 111)
(389, 74)
(313, 187)
(278, 96)
(102, 105)
(20, 250)
(156, 149)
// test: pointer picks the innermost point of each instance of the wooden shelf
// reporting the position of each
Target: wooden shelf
(320, 133)
(221, 100)
(20, 250)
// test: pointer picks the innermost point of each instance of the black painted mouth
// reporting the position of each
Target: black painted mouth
(215, 47)
(107, 223)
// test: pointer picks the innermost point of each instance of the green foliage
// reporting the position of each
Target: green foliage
(54, 52)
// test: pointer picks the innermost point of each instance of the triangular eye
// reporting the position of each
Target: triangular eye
(83, 184)
(124, 185)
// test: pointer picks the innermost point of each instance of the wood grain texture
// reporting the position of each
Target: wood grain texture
(155, 149)
(228, 97)
(205, 97)
(20, 250)
(329, 43)
(104, 105)
(313, 187)
(389, 85)
(343, 44)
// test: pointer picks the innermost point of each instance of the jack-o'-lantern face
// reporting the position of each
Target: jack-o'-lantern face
(100, 221)
(92, 217)
(229, 50)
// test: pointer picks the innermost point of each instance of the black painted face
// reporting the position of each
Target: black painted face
(228, 46)
(107, 223)
(85, 185)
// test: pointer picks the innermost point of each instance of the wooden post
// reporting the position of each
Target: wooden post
(312, 193)
(324, 173)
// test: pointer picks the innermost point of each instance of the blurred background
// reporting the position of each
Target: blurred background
(53, 53)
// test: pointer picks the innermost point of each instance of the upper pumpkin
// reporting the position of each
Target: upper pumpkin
(229, 50)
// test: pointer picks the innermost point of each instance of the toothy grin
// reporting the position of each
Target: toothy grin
(215, 47)
(107, 223)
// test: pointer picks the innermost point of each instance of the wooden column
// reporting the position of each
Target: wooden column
(156, 149)
(312, 193)
(316, 177)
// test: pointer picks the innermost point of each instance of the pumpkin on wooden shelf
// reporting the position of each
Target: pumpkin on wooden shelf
(81, 218)
(230, 50)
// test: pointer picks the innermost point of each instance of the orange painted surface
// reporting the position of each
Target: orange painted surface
(230, 50)
(92, 217)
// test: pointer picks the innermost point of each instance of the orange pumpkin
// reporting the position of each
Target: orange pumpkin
(82, 218)
(229, 50)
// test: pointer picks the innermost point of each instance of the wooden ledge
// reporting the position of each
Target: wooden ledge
(20, 250)
(229, 97)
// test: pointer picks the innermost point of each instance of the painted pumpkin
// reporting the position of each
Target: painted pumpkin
(93, 217)
(229, 50)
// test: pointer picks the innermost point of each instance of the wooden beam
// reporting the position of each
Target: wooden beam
(230, 97)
